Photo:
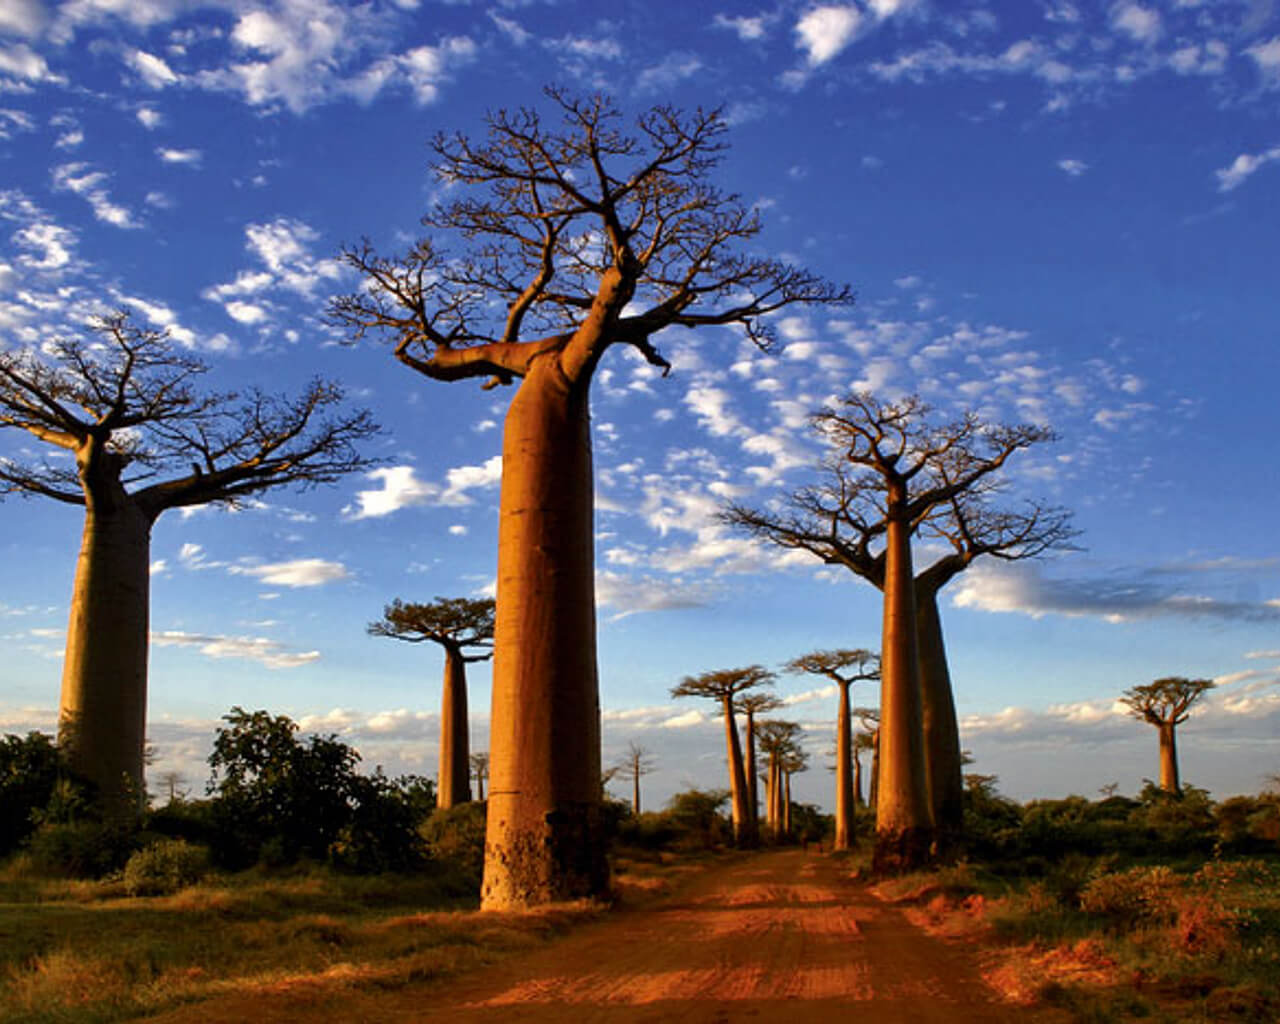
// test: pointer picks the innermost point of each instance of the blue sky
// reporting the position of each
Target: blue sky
(1057, 212)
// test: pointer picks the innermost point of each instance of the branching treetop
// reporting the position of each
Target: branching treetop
(125, 405)
(1165, 701)
(756, 703)
(777, 737)
(950, 471)
(576, 236)
(452, 622)
(636, 762)
(723, 684)
(843, 665)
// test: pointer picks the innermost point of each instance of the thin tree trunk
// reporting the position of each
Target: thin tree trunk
(742, 833)
(873, 786)
(857, 780)
(455, 752)
(1169, 781)
(775, 796)
(102, 717)
(753, 782)
(544, 839)
(844, 772)
(786, 803)
(479, 787)
(904, 827)
(941, 729)
(635, 791)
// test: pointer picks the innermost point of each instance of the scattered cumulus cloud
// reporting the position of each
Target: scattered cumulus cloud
(400, 487)
(1073, 168)
(1244, 167)
(826, 31)
(299, 572)
(153, 70)
(266, 652)
(190, 157)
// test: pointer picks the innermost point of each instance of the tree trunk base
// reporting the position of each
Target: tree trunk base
(565, 859)
(907, 850)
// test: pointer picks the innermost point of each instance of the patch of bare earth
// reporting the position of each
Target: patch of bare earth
(781, 936)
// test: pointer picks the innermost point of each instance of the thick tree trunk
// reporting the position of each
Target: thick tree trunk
(941, 729)
(743, 834)
(845, 795)
(455, 752)
(1169, 759)
(543, 839)
(635, 793)
(749, 771)
(102, 718)
(775, 796)
(904, 826)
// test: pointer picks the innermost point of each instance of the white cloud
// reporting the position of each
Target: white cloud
(252, 648)
(1267, 57)
(748, 29)
(22, 17)
(401, 488)
(1243, 167)
(21, 61)
(1074, 168)
(153, 70)
(191, 157)
(85, 182)
(299, 572)
(1141, 24)
(675, 67)
(629, 595)
(825, 31)
(511, 29)
(149, 117)
(427, 67)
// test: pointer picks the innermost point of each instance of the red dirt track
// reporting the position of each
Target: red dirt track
(782, 937)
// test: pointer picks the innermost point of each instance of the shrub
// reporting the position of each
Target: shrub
(1126, 897)
(455, 838)
(165, 866)
(29, 769)
(84, 849)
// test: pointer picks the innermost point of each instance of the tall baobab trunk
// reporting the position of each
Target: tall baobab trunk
(873, 784)
(635, 793)
(749, 771)
(941, 730)
(845, 793)
(903, 818)
(786, 802)
(857, 781)
(1169, 758)
(776, 813)
(455, 752)
(743, 834)
(102, 717)
(543, 838)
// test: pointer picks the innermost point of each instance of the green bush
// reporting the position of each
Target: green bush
(455, 840)
(29, 769)
(165, 866)
(83, 849)
(1125, 897)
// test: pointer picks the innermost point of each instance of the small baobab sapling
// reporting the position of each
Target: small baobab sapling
(1166, 704)
(575, 238)
(144, 440)
(844, 667)
(635, 763)
(725, 686)
(458, 625)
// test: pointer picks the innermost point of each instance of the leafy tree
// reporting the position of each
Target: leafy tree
(455, 624)
(144, 440)
(891, 474)
(1166, 704)
(724, 686)
(30, 767)
(844, 667)
(576, 238)
(636, 763)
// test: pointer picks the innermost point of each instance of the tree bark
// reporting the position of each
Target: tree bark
(743, 834)
(753, 786)
(941, 729)
(635, 792)
(543, 839)
(845, 794)
(904, 825)
(102, 717)
(455, 752)
(873, 784)
(1169, 781)
(786, 803)
(857, 781)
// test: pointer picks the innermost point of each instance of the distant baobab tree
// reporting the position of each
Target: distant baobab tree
(778, 739)
(144, 440)
(791, 763)
(1166, 704)
(456, 624)
(750, 705)
(862, 742)
(635, 764)
(573, 238)
(480, 771)
(889, 475)
(726, 686)
(844, 667)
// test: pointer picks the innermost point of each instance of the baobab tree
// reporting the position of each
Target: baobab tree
(635, 764)
(862, 742)
(891, 474)
(1166, 704)
(749, 705)
(576, 238)
(457, 625)
(844, 667)
(143, 439)
(725, 687)
(480, 771)
(792, 762)
(778, 739)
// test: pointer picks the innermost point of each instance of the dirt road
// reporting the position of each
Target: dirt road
(782, 937)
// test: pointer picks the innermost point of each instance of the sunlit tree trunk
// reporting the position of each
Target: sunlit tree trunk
(941, 729)
(543, 839)
(786, 802)
(1169, 758)
(857, 782)
(455, 752)
(904, 831)
(845, 793)
(749, 773)
(873, 784)
(102, 717)
(742, 831)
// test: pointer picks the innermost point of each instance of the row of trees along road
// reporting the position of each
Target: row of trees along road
(572, 239)
(893, 475)
(144, 440)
